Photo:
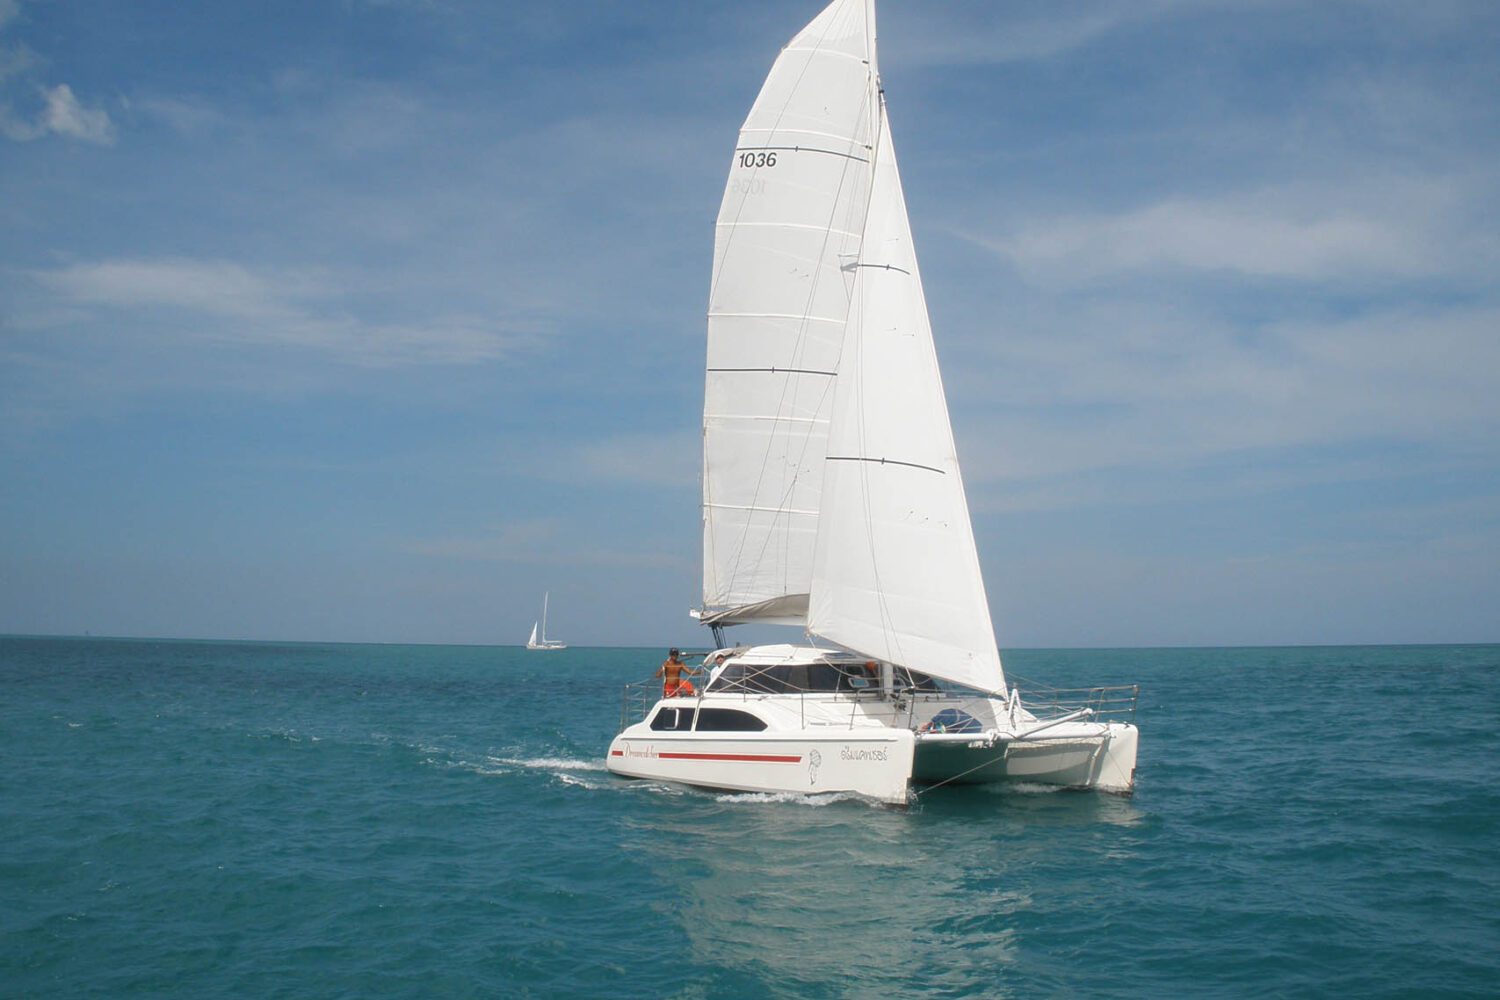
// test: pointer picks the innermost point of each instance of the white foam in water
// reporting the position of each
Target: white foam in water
(1023, 788)
(577, 782)
(794, 798)
(550, 763)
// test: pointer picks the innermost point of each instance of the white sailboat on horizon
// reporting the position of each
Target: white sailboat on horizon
(832, 495)
(539, 628)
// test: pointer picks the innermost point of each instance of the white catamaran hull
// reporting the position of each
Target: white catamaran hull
(882, 768)
(874, 736)
(877, 766)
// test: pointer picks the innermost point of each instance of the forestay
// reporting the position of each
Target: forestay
(788, 233)
(896, 574)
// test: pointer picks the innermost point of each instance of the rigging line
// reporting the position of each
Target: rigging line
(886, 267)
(882, 461)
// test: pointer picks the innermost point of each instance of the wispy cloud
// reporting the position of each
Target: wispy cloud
(994, 36)
(669, 459)
(1402, 228)
(226, 301)
(1007, 33)
(539, 541)
(184, 114)
(60, 111)
(1153, 391)
(61, 114)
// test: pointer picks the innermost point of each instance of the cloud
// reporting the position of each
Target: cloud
(62, 115)
(225, 301)
(668, 459)
(1401, 228)
(65, 116)
(219, 287)
(997, 39)
(539, 541)
(182, 114)
(1115, 388)
(1006, 33)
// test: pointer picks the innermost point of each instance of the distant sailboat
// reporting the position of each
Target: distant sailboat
(540, 629)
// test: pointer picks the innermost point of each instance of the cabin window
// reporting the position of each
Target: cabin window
(672, 720)
(728, 720)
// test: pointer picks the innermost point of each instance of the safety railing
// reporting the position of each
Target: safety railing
(1111, 703)
(1114, 703)
(637, 700)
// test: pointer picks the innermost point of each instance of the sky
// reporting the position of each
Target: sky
(372, 320)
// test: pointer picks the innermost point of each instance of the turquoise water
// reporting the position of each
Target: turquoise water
(184, 819)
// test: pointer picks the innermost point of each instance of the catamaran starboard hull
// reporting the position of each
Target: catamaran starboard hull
(1090, 755)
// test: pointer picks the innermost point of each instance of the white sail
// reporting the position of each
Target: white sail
(787, 231)
(896, 575)
(532, 640)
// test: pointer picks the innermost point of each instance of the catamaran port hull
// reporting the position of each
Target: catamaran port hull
(876, 766)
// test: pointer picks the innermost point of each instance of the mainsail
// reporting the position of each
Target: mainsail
(788, 233)
(895, 571)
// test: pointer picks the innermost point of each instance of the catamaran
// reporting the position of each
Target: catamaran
(540, 627)
(832, 497)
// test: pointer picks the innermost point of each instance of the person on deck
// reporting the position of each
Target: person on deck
(672, 671)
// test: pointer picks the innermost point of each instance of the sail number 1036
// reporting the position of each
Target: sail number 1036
(763, 159)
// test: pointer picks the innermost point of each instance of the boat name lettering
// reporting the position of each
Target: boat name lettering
(631, 751)
(851, 754)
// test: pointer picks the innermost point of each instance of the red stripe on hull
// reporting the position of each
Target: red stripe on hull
(765, 758)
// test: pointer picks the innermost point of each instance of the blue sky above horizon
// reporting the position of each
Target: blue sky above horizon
(370, 320)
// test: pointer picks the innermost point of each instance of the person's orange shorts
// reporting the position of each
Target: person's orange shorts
(677, 689)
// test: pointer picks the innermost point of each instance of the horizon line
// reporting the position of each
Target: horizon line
(668, 645)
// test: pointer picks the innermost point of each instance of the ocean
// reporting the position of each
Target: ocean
(205, 819)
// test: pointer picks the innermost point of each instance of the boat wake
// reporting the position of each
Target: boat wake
(1024, 788)
(548, 763)
(795, 798)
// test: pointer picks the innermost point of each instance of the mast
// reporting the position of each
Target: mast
(545, 595)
